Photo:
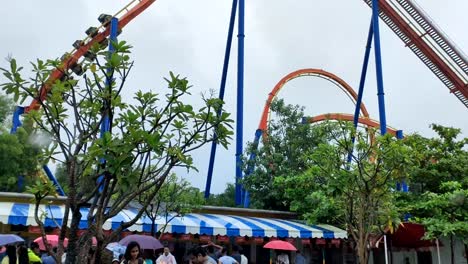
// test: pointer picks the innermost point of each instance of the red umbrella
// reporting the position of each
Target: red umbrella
(280, 245)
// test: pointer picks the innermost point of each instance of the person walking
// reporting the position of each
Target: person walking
(166, 257)
(34, 253)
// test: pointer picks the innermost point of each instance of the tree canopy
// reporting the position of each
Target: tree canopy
(286, 145)
(19, 153)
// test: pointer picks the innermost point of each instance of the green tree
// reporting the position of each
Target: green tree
(176, 197)
(151, 135)
(226, 198)
(6, 109)
(355, 195)
(62, 177)
(18, 153)
(286, 144)
(438, 196)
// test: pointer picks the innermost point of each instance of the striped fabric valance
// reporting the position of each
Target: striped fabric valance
(203, 224)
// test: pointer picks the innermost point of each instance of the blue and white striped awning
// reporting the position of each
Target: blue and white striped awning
(203, 224)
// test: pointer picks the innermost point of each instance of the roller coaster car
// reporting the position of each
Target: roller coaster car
(78, 43)
(90, 56)
(77, 69)
(65, 57)
(104, 19)
(92, 32)
(104, 43)
(65, 77)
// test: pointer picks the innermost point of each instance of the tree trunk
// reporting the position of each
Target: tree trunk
(73, 247)
(362, 252)
(98, 252)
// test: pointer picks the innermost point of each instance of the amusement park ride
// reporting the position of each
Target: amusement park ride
(403, 17)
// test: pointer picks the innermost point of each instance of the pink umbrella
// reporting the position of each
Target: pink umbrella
(53, 241)
(280, 245)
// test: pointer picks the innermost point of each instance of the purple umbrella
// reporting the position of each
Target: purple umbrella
(10, 239)
(146, 242)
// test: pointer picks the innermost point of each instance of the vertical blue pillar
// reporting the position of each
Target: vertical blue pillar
(106, 122)
(404, 186)
(16, 119)
(240, 101)
(361, 89)
(221, 94)
(378, 66)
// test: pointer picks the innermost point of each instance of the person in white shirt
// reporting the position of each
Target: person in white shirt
(244, 259)
(227, 259)
(282, 258)
(166, 257)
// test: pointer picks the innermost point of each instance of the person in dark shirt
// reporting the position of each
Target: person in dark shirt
(236, 253)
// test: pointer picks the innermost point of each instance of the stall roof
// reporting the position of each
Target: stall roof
(194, 223)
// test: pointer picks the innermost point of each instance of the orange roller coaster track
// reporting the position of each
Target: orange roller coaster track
(125, 15)
(348, 117)
(308, 72)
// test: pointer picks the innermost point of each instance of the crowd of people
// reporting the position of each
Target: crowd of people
(200, 254)
(196, 255)
(22, 255)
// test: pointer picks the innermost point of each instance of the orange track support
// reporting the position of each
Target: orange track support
(75, 56)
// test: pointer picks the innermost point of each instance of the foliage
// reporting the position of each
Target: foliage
(227, 198)
(286, 146)
(355, 195)
(176, 197)
(19, 159)
(6, 109)
(18, 153)
(62, 177)
(438, 196)
(148, 137)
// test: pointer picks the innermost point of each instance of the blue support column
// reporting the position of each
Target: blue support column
(251, 166)
(240, 101)
(404, 186)
(106, 122)
(361, 88)
(221, 93)
(16, 119)
(378, 66)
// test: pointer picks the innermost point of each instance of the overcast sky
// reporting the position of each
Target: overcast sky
(189, 38)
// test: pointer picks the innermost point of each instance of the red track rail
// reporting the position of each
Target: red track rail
(418, 33)
(128, 15)
(348, 117)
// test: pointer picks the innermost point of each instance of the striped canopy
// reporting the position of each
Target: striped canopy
(203, 224)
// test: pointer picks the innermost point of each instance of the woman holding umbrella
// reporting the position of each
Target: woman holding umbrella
(133, 254)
